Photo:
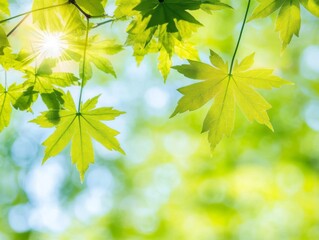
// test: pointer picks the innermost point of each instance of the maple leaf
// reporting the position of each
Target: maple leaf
(79, 127)
(167, 11)
(164, 27)
(288, 21)
(227, 91)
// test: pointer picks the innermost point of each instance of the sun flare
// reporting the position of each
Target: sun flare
(51, 45)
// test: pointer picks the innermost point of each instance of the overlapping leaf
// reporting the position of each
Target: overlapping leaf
(19, 96)
(8, 99)
(79, 128)
(289, 19)
(227, 91)
(164, 27)
(97, 51)
(45, 80)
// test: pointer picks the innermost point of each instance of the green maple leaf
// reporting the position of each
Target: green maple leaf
(79, 128)
(227, 91)
(164, 27)
(288, 21)
(167, 12)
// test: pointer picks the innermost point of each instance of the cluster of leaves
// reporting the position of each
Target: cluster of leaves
(163, 27)
(156, 26)
(76, 124)
(289, 18)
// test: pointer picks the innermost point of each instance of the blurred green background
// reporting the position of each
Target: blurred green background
(257, 185)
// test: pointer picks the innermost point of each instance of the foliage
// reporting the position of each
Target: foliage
(63, 31)
(227, 90)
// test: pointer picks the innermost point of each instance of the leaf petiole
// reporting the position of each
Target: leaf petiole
(84, 62)
(239, 38)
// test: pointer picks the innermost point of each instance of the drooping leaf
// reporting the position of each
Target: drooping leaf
(79, 128)
(226, 90)
(312, 6)
(164, 27)
(288, 21)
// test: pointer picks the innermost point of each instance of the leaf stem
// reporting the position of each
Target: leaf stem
(84, 62)
(80, 9)
(35, 10)
(104, 22)
(18, 25)
(101, 16)
(239, 38)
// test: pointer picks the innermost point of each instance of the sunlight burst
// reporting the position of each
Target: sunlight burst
(52, 45)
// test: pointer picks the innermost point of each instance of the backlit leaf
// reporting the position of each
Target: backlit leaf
(164, 27)
(289, 19)
(226, 90)
(79, 128)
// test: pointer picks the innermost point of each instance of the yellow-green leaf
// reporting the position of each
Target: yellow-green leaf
(226, 90)
(8, 98)
(79, 128)
(92, 7)
(288, 21)
(4, 7)
(312, 6)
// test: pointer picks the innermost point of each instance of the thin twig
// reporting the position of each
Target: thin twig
(18, 25)
(84, 62)
(239, 38)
